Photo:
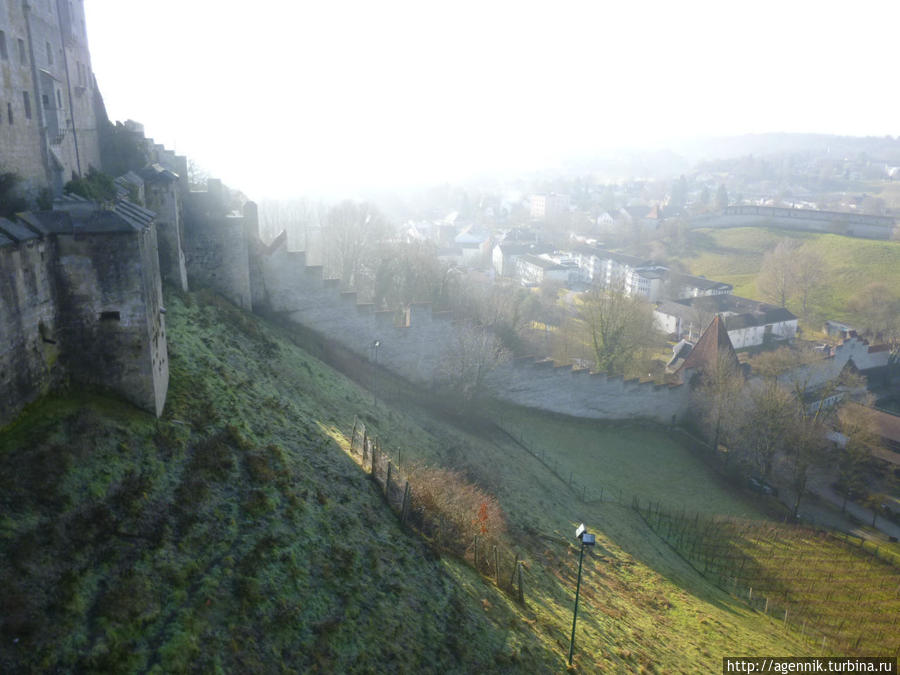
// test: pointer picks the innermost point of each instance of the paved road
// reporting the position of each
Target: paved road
(825, 509)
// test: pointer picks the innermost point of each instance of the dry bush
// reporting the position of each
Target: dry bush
(453, 509)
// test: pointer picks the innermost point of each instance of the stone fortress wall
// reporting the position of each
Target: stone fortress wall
(418, 347)
(805, 220)
(81, 302)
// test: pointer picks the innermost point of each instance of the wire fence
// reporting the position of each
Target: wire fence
(487, 555)
(848, 602)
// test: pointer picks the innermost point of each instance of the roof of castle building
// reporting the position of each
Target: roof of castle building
(15, 231)
(5, 241)
(87, 217)
(157, 173)
(712, 343)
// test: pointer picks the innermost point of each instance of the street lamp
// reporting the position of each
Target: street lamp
(586, 540)
(375, 345)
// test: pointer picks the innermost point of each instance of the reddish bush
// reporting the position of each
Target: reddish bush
(454, 509)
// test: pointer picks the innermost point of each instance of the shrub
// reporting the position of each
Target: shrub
(459, 510)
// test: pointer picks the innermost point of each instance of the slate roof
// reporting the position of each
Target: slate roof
(87, 218)
(156, 173)
(16, 231)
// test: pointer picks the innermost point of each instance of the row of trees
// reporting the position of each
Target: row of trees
(794, 273)
(769, 426)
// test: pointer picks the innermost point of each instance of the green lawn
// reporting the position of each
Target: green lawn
(735, 256)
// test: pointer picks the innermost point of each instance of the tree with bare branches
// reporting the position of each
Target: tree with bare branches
(620, 328)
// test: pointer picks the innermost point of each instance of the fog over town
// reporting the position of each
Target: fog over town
(340, 97)
(461, 337)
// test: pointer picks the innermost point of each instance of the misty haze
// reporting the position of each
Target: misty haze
(409, 337)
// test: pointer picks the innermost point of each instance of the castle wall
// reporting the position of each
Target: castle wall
(420, 348)
(847, 227)
(163, 198)
(109, 306)
(580, 393)
(29, 335)
(216, 254)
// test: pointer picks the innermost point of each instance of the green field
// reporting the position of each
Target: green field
(235, 534)
(735, 256)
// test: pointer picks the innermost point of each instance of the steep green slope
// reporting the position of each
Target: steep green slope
(235, 534)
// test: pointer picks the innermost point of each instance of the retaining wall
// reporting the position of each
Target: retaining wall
(418, 347)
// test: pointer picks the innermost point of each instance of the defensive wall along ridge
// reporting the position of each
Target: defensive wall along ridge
(81, 302)
(417, 347)
(805, 220)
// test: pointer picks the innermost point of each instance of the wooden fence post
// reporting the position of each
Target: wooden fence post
(512, 578)
(475, 550)
(497, 565)
(404, 509)
(387, 483)
(521, 589)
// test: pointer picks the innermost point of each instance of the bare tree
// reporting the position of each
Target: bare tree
(407, 273)
(718, 394)
(350, 235)
(775, 280)
(808, 272)
(765, 422)
(876, 312)
(620, 327)
(858, 426)
(475, 353)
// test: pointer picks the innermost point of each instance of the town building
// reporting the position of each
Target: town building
(749, 323)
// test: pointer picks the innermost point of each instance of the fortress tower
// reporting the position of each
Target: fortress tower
(48, 95)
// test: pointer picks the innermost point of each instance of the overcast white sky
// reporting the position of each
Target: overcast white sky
(284, 98)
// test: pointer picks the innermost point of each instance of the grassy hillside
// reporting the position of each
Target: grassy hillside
(842, 594)
(735, 256)
(235, 534)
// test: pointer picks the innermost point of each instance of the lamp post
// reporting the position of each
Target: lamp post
(586, 540)
(375, 345)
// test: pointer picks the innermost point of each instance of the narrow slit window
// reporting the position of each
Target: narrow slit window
(49, 54)
(26, 99)
(109, 316)
(23, 55)
(3, 53)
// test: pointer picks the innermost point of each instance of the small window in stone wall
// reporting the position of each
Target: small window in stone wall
(3, 53)
(26, 99)
(9, 112)
(23, 56)
(109, 316)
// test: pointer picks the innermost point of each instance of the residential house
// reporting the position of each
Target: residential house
(749, 323)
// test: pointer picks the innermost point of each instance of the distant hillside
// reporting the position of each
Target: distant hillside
(235, 534)
(762, 145)
(735, 256)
